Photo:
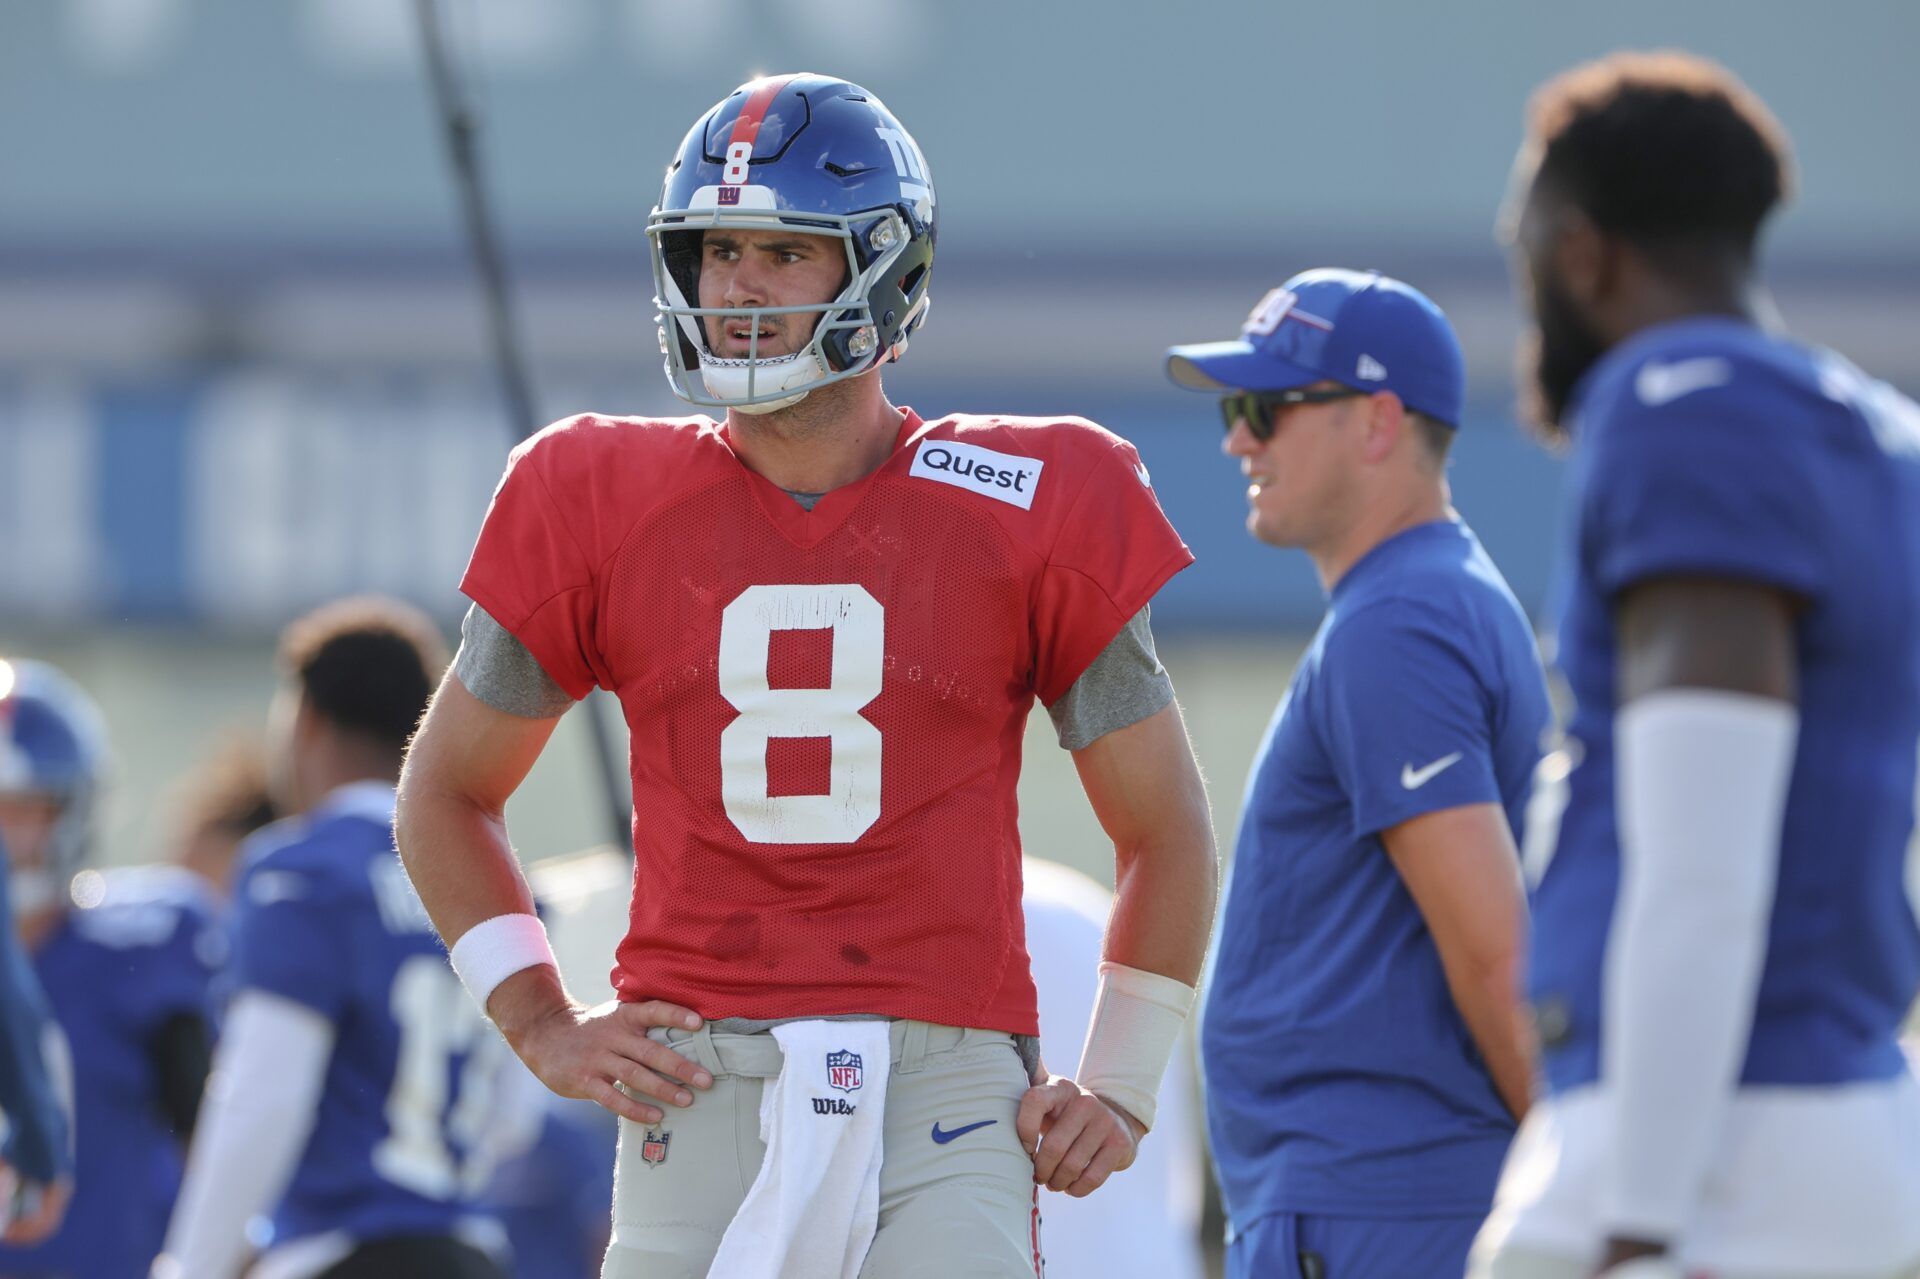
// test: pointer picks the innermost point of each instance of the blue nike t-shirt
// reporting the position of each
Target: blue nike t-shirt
(1340, 1078)
(1707, 448)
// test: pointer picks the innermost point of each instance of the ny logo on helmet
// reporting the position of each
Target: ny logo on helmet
(908, 163)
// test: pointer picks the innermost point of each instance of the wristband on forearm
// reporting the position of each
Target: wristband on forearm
(1136, 1021)
(495, 949)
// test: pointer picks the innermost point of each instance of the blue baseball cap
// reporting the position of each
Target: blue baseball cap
(1358, 328)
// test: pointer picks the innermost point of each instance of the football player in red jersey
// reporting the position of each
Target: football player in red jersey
(826, 619)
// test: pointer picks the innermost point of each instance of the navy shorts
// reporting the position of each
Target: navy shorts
(1290, 1246)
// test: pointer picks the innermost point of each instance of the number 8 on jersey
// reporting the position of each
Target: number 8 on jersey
(852, 804)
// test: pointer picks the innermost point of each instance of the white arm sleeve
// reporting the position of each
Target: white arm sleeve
(260, 1107)
(1701, 787)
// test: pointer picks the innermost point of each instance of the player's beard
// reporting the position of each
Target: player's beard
(822, 411)
(1554, 355)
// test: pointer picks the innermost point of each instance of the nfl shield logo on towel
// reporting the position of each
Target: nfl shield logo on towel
(653, 1150)
(843, 1070)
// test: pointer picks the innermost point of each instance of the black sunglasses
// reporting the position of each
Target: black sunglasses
(1256, 408)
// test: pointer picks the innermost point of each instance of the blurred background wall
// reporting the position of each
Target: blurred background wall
(241, 356)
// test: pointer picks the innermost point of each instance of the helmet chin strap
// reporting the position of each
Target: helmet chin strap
(755, 410)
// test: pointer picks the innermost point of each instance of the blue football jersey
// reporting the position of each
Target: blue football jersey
(1707, 448)
(1340, 1078)
(325, 916)
(140, 951)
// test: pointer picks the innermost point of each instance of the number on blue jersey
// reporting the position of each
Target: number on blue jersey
(444, 1085)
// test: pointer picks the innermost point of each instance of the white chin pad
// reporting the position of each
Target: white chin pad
(765, 406)
(786, 377)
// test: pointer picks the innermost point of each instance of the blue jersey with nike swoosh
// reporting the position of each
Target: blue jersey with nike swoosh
(1340, 1078)
(411, 1111)
(1707, 448)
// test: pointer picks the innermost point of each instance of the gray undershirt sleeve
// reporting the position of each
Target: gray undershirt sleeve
(500, 671)
(1121, 687)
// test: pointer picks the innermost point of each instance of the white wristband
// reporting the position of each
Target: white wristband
(495, 949)
(1137, 1018)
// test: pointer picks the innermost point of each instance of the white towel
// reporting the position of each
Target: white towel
(812, 1211)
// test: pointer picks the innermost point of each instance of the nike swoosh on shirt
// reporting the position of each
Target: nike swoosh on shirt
(270, 886)
(942, 1138)
(1658, 384)
(1414, 778)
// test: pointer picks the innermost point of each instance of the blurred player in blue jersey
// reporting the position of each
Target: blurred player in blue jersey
(36, 1159)
(355, 1085)
(1724, 949)
(126, 957)
(1363, 1043)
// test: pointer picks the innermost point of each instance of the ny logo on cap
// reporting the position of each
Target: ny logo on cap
(1278, 305)
(1271, 309)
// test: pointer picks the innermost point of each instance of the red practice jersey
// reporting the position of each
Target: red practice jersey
(826, 707)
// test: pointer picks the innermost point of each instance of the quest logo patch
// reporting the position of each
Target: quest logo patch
(1006, 477)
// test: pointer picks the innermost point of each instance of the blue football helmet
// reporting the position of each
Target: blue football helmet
(53, 745)
(808, 153)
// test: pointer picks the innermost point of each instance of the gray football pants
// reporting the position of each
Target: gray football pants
(962, 1209)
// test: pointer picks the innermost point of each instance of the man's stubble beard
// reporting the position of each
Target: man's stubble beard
(1553, 358)
(822, 411)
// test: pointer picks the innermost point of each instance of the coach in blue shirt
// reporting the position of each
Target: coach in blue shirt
(1363, 1043)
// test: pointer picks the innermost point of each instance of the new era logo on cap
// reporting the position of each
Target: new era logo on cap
(1370, 370)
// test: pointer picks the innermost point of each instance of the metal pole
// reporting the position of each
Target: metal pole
(462, 130)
